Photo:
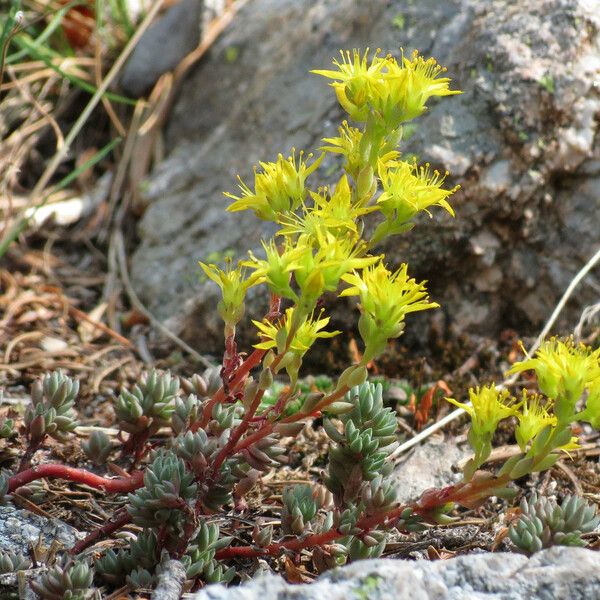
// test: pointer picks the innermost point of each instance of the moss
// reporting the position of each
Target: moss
(368, 585)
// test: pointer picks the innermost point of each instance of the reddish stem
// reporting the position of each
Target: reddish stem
(240, 375)
(117, 485)
(122, 519)
(239, 431)
(267, 428)
(432, 500)
(251, 362)
(316, 539)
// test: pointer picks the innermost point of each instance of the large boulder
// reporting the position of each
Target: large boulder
(520, 140)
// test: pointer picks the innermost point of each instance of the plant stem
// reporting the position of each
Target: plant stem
(252, 361)
(431, 501)
(239, 431)
(316, 539)
(117, 485)
(267, 428)
(123, 518)
(31, 449)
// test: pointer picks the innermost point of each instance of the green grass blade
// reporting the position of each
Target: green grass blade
(52, 26)
(121, 15)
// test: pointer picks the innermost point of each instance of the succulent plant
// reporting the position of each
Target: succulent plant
(149, 405)
(71, 581)
(168, 490)
(544, 523)
(143, 552)
(299, 508)
(141, 578)
(10, 562)
(378, 495)
(368, 436)
(194, 386)
(199, 450)
(409, 521)
(52, 412)
(97, 448)
(7, 428)
(368, 545)
(199, 558)
(186, 411)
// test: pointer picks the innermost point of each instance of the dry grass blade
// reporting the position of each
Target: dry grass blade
(95, 99)
(136, 302)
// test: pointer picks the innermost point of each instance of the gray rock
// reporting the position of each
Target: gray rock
(429, 465)
(553, 574)
(21, 529)
(162, 46)
(521, 140)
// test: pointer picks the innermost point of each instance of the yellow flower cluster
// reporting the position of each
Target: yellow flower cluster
(394, 92)
(321, 242)
(385, 299)
(564, 372)
(278, 189)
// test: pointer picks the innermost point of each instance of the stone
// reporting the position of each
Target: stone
(162, 46)
(558, 572)
(430, 465)
(521, 140)
(21, 529)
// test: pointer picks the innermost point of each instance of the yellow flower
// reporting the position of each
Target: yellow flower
(385, 299)
(410, 85)
(321, 270)
(234, 284)
(306, 333)
(348, 143)
(278, 189)
(276, 269)
(407, 190)
(533, 417)
(488, 407)
(394, 92)
(333, 214)
(564, 370)
(356, 81)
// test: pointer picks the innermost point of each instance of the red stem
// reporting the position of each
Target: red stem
(241, 373)
(316, 539)
(110, 527)
(431, 500)
(229, 447)
(253, 360)
(117, 485)
(267, 428)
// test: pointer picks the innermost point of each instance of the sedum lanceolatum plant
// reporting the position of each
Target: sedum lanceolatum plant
(544, 523)
(227, 425)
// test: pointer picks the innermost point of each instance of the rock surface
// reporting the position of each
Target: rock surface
(521, 140)
(430, 465)
(21, 529)
(559, 572)
(161, 48)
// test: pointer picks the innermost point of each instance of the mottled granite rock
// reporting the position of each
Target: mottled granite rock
(430, 465)
(21, 529)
